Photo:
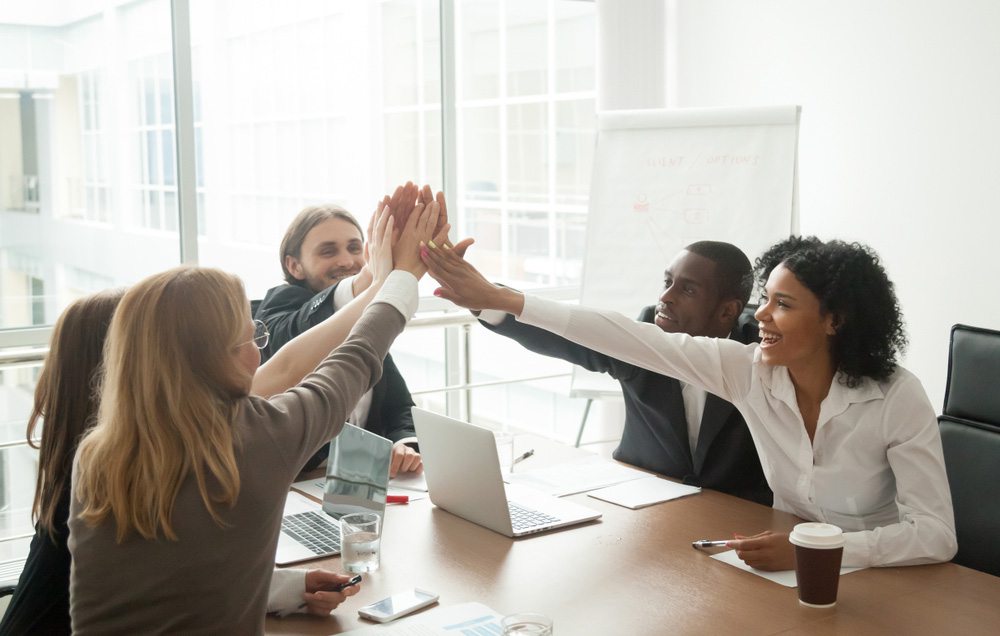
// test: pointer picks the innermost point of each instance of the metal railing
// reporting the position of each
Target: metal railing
(456, 366)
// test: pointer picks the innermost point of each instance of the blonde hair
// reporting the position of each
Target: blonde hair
(169, 396)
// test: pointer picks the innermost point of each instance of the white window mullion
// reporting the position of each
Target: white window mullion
(421, 105)
(505, 228)
(551, 141)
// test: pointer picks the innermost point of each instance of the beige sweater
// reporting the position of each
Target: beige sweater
(214, 580)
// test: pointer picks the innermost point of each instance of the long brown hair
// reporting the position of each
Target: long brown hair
(66, 396)
(169, 397)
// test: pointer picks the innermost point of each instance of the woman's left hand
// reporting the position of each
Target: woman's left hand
(767, 550)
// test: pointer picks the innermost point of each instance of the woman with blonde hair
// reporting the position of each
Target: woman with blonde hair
(178, 490)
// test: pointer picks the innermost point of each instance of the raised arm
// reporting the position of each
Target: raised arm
(720, 366)
(300, 355)
(462, 284)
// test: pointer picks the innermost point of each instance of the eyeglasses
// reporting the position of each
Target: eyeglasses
(260, 335)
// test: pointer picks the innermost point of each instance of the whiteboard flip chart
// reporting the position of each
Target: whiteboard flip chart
(663, 179)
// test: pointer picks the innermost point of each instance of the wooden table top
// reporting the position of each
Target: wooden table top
(634, 572)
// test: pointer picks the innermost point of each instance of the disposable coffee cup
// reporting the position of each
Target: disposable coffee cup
(818, 551)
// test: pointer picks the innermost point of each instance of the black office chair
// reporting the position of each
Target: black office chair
(970, 434)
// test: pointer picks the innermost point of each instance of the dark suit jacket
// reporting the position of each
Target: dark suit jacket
(655, 434)
(289, 310)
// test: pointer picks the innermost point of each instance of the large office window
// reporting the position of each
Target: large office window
(295, 103)
(526, 133)
(87, 114)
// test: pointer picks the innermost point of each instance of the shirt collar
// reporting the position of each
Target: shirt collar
(779, 383)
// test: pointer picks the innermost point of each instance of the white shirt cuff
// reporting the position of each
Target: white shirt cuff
(548, 314)
(400, 291)
(492, 316)
(344, 293)
(287, 587)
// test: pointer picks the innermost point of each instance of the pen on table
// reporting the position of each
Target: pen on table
(709, 543)
(522, 457)
(339, 587)
(397, 499)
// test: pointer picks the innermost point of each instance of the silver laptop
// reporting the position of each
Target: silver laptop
(357, 478)
(463, 477)
(306, 531)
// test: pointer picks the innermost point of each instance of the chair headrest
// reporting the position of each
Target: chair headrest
(973, 389)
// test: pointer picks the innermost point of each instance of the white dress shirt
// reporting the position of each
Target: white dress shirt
(875, 467)
(694, 408)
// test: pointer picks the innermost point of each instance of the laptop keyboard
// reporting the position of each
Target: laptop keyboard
(525, 518)
(315, 530)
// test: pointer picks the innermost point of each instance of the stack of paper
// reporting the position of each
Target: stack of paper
(582, 475)
(639, 493)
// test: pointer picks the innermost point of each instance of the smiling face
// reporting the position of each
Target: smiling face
(331, 251)
(690, 302)
(794, 331)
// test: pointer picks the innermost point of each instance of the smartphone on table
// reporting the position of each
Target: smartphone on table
(401, 604)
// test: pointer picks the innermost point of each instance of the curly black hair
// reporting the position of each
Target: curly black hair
(850, 282)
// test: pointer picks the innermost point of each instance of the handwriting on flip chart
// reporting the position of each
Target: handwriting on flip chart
(723, 159)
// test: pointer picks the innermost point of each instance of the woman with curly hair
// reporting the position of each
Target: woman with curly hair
(845, 435)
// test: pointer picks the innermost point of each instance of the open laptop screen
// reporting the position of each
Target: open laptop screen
(357, 472)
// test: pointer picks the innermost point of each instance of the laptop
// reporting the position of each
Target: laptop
(306, 531)
(463, 477)
(357, 478)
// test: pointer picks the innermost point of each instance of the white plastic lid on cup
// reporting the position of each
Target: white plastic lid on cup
(822, 536)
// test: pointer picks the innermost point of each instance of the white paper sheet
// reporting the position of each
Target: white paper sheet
(781, 577)
(638, 493)
(455, 620)
(589, 473)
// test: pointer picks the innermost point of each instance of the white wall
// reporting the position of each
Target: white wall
(900, 138)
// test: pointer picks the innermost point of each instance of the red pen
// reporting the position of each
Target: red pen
(397, 499)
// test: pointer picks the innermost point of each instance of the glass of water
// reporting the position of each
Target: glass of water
(526, 624)
(360, 535)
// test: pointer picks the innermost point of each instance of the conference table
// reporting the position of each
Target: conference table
(634, 572)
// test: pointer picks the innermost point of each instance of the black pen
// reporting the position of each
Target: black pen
(338, 587)
(709, 543)
(523, 457)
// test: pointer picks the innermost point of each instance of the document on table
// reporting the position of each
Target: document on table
(781, 577)
(639, 493)
(409, 485)
(464, 619)
(582, 475)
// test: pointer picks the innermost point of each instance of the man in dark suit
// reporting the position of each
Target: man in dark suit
(678, 431)
(322, 257)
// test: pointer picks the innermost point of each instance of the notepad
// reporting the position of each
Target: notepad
(578, 476)
(639, 493)
(781, 577)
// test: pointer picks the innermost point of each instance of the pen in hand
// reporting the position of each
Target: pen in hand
(339, 587)
(709, 543)
(521, 458)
